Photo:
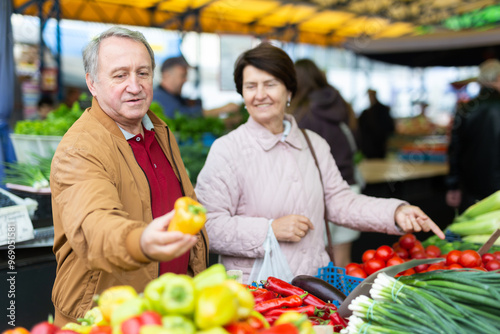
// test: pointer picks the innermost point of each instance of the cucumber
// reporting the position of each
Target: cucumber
(319, 288)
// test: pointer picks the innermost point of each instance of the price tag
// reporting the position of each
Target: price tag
(15, 225)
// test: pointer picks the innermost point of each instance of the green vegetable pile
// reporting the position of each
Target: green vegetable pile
(57, 122)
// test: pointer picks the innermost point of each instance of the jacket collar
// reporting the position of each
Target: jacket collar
(267, 140)
(149, 120)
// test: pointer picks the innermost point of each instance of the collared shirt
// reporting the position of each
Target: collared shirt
(164, 185)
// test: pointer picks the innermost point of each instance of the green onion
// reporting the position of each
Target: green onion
(442, 301)
(25, 174)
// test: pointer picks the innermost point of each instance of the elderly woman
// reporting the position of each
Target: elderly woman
(264, 173)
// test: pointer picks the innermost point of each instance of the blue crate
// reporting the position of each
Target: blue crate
(337, 277)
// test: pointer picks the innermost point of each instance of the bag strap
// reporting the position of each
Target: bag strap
(329, 248)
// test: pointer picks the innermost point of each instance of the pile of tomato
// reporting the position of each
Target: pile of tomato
(409, 248)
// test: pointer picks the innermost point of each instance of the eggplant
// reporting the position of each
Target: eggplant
(319, 288)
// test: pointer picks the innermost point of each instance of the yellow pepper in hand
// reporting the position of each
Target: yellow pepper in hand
(189, 216)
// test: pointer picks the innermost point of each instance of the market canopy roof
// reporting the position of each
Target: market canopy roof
(322, 22)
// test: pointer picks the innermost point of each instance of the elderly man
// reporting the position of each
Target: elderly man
(475, 142)
(174, 73)
(114, 178)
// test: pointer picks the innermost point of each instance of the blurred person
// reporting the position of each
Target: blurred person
(475, 141)
(263, 174)
(174, 72)
(114, 179)
(44, 106)
(319, 107)
(375, 127)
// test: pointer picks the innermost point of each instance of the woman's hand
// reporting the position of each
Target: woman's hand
(412, 219)
(291, 228)
(160, 245)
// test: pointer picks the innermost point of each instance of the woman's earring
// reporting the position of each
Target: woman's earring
(245, 106)
(288, 103)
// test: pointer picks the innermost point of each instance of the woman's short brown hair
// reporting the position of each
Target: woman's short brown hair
(268, 58)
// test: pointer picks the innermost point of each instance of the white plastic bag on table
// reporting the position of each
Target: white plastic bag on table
(274, 263)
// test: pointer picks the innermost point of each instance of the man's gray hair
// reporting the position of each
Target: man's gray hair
(489, 71)
(91, 51)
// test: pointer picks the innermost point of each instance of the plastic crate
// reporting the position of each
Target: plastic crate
(337, 277)
(26, 145)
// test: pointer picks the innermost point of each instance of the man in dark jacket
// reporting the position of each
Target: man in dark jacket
(475, 143)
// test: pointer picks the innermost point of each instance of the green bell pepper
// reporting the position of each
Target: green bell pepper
(178, 324)
(213, 275)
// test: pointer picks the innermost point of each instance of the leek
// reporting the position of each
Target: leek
(488, 204)
(480, 239)
(486, 223)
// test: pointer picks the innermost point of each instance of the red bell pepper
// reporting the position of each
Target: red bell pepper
(290, 301)
(286, 289)
(240, 327)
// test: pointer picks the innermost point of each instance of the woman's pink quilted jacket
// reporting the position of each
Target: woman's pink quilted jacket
(251, 176)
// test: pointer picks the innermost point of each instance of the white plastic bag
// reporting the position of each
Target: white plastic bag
(274, 263)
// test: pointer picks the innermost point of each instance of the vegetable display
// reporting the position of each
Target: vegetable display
(444, 302)
(209, 303)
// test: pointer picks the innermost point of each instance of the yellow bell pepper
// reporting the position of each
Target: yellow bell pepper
(246, 301)
(110, 298)
(73, 326)
(299, 320)
(93, 317)
(216, 306)
(189, 216)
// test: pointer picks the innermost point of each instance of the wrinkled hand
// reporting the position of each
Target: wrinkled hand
(453, 198)
(160, 245)
(412, 219)
(291, 228)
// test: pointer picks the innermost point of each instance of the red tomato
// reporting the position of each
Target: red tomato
(452, 257)
(436, 266)
(417, 247)
(401, 252)
(351, 266)
(455, 266)
(358, 272)
(492, 265)
(395, 260)
(421, 268)
(432, 251)
(407, 241)
(367, 255)
(469, 259)
(408, 272)
(419, 255)
(384, 253)
(487, 257)
(480, 268)
(497, 255)
(373, 265)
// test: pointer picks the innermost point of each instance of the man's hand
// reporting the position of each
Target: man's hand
(291, 228)
(412, 219)
(160, 245)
